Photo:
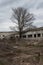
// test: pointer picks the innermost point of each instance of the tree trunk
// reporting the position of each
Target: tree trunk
(20, 35)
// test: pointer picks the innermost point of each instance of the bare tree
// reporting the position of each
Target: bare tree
(22, 18)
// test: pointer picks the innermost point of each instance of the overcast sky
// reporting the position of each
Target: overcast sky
(34, 6)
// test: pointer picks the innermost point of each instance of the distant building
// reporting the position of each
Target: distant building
(33, 33)
(27, 34)
(6, 34)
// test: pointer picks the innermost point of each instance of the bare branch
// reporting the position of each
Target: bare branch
(22, 17)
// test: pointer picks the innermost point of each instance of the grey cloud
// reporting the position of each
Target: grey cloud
(38, 23)
(34, 4)
(6, 5)
(30, 4)
(40, 5)
(7, 2)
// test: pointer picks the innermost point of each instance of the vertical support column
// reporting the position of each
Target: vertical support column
(41, 34)
(32, 35)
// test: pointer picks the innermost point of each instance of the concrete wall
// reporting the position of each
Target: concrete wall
(38, 34)
(5, 34)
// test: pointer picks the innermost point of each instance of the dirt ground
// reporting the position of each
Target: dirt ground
(21, 52)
